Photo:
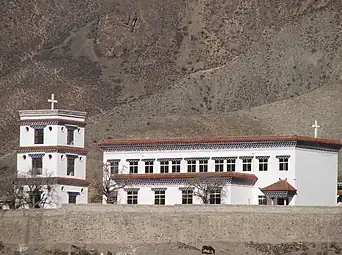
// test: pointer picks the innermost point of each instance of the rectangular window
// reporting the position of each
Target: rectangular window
(203, 165)
(176, 166)
(164, 166)
(159, 197)
(262, 200)
(71, 166)
(72, 197)
(191, 166)
(132, 197)
(187, 196)
(215, 197)
(37, 166)
(231, 165)
(39, 136)
(263, 164)
(114, 167)
(247, 165)
(70, 137)
(133, 167)
(219, 165)
(148, 167)
(283, 164)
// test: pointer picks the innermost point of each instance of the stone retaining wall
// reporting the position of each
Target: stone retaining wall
(131, 225)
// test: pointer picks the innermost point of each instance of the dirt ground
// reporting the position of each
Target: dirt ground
(222, 248)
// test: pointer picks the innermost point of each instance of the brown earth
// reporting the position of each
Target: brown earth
(186, 249)
(144, 69)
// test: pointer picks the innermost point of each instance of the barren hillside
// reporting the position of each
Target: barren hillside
(175, 69)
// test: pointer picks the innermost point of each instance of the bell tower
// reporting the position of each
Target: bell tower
(52, 147)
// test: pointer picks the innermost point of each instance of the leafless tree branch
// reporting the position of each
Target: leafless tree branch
(27, 190)
(203, 186)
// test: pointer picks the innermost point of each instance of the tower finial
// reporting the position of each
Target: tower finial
(52, 101)
(316, 126)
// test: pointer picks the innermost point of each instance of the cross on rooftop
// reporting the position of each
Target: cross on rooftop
(316, 126)
(52, 101)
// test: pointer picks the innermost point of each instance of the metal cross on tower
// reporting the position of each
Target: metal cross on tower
(52, 101)
(316, 126)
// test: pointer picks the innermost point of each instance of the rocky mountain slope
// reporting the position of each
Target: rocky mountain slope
(181, 68)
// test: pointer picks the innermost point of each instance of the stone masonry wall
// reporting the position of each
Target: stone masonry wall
(129, 225)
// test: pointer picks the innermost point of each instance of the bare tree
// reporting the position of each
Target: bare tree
(7, 190)
(110, 184)
(28, 190)
(206, 187)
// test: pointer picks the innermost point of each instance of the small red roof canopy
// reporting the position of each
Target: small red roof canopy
(281, 185)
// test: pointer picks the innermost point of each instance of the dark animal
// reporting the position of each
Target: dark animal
(206, 249)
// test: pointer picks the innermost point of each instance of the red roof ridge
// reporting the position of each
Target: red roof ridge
(281, 185)
(72, 179)
(108, 142)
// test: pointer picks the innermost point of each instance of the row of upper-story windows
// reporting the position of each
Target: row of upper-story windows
(39, 135)
(201, 165)
(37, 164)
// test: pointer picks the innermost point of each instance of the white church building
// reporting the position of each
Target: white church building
(52, 151)
(279, 170)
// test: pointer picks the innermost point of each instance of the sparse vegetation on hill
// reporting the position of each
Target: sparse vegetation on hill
(147, 69)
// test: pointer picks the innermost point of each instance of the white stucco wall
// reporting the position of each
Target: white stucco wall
(63, 195)
(173, 195)
(56, 166)
(242, 195)
(316, 177)
(124, 166)
(56, 137)
(313, 172)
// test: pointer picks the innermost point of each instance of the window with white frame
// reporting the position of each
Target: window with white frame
(187, 196)
(148, 167)
(191, 166)
(71, 165)
(176, 166)
(133, 167)
(283, 163)
(231, 162)
(215, 196)
(159, 197)
(164, 166)
(38, 135)
(262, 200)
(203, 165)
(113, 166)
(132, 197)
(263, 164)
(247, 164)
(72, 197)
(70, 136)
(219, 164)
(37, 166)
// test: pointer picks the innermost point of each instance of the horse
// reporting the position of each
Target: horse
(206, 249)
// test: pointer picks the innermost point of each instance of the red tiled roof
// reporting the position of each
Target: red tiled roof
(59, 148)
(55, 180)
(310, 140)
(72, 179)
(185, 175)
(281, 185)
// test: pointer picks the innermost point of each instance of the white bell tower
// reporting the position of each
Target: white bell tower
(52, 146)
